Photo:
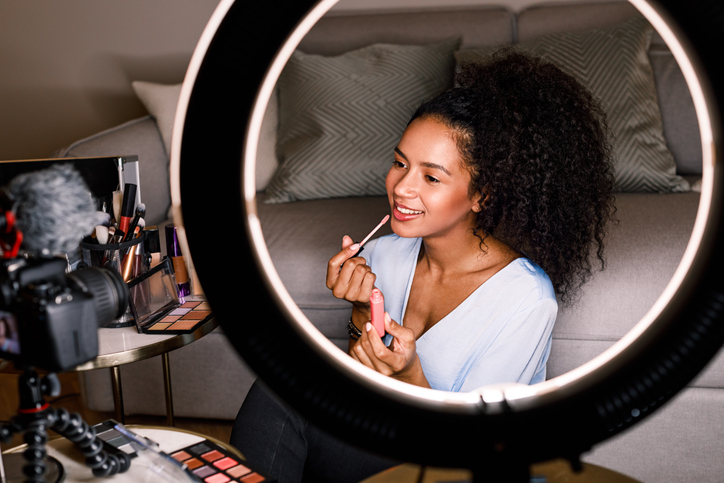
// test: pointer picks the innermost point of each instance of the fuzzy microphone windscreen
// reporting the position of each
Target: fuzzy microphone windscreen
(54, 209)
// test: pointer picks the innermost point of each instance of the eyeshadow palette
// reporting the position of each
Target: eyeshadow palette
(211, 463)
(185, 318)
(157, 308)
(113, 440)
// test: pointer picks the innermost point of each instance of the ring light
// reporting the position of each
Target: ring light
(230, 79)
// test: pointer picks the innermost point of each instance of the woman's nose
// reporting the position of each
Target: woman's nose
(405, 187)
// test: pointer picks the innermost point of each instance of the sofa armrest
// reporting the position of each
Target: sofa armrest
(140, 137)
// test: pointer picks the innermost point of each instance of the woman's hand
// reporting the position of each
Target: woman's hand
(349, 277)
(398, 361)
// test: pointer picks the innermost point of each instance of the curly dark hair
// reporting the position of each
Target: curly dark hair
(535, 142)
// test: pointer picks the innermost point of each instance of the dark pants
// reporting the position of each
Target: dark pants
(281, 444)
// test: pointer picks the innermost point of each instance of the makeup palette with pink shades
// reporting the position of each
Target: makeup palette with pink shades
(157, 307)
(186, 318)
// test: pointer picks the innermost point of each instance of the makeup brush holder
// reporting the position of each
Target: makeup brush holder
(127, 259)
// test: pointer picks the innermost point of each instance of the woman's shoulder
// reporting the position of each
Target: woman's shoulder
(524, 276)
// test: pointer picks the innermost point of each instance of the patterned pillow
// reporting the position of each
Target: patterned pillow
(613, 63)
(341, 117)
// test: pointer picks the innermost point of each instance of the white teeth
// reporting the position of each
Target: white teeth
(405, 211)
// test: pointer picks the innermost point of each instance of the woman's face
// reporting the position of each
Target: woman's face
(427, 185)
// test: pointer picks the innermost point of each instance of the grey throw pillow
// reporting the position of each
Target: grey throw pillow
(341, 117)
(613, 63)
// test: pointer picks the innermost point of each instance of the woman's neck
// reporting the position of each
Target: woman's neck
(459, 255)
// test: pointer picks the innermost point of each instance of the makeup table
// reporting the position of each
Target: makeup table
(170, 440)
(124, 345)
(554, 471)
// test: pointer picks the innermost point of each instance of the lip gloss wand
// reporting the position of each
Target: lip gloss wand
(361, 247)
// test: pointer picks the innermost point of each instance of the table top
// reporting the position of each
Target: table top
(122, 345)
(170, 440)
(554, 471)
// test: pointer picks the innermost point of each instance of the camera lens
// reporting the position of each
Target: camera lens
(110, 293)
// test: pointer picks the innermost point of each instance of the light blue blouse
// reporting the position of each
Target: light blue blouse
(500, 333)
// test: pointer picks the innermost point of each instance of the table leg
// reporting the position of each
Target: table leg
(118, 394)
(167, 389)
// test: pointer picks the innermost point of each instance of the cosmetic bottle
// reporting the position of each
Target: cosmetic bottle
(173, 250)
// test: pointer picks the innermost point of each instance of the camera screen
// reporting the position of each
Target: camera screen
(9, 336)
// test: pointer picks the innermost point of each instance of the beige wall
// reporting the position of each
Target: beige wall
(66, 66)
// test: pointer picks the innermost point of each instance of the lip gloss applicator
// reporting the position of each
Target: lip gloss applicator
(361, 247)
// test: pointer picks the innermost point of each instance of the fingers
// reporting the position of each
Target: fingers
(396, 330)
(360, 354)
(334, 264)
(347, 241)
(372, 352)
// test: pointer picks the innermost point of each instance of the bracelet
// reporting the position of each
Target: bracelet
(353, 331)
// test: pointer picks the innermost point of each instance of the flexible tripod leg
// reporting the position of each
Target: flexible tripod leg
(35, 417)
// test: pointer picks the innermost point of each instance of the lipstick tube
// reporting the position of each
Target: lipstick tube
(127, 207)
(377, 309)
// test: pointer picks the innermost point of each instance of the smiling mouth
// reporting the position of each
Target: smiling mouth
(407, 211)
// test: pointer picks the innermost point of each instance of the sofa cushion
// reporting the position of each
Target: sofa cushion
(681, 126)
(340, 117)
(642, 251)
(140, 137)
(613, 63)
(678, 116)
(160, 101)
(341, 31)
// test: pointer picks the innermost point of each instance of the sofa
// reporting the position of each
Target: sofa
(303, 229)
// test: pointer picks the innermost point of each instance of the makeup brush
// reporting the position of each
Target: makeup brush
(140, 212)
(102, 234)
(117, 203)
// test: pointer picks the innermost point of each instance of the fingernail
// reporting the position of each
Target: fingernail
(387, 317)
(368, 326)
(354, 248)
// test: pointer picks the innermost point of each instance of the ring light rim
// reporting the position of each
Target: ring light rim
(522, 397)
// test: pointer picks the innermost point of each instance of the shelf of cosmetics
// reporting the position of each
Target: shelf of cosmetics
(161, 301)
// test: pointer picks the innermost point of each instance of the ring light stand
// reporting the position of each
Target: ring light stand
(498, 431)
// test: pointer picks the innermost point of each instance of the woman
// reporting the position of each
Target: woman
(500, 190)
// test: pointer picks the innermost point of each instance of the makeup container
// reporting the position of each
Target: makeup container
(143, 452)
(211, 463)
(173, 251)
(126, 258)
(157, 308)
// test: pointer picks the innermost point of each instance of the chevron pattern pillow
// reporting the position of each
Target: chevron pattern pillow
(341, 117)
(613, 63)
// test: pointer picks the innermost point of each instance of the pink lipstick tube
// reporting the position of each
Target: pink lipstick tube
(377, 308)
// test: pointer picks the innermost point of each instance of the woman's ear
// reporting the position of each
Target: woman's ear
(480, 201)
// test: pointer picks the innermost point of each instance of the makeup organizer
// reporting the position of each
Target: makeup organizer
(126, 258)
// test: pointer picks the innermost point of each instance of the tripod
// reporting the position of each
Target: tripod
(35, 416)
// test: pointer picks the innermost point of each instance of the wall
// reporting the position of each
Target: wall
(67, 66)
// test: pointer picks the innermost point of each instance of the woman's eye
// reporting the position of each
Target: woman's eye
(432, 179)
(398, 164)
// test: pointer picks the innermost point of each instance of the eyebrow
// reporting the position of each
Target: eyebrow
(426, 164)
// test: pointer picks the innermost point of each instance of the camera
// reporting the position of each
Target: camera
(50, 319)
